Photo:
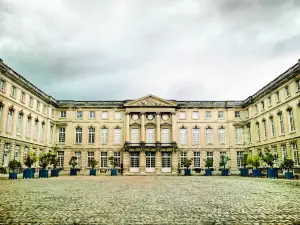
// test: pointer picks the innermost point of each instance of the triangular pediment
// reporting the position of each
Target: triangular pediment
(150, 101)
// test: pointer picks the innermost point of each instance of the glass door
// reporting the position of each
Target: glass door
(150, 162)
(134, 162)
(166, 162)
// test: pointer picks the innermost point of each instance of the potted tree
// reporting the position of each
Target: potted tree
(13, 166)
(244, 161)
(93, 164)
(255, 162)
(54, 162)
(114, 163)
(269, 158)
(288, 164)
(29, 160)
(73, 164)
(187, 163)
(44, 160)
(223, 162)
(208, 165)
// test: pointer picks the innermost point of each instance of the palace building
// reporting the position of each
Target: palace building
(149, 135)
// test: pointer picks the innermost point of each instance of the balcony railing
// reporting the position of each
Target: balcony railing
(149, 146)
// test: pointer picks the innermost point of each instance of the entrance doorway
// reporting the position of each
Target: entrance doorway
(150, 162)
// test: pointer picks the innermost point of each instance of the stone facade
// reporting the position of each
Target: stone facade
(149, 135)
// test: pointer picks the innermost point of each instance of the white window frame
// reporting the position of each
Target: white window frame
(196, 136)
(183, 136)
(2, 85)
(210, 155)
(135, 135)
(10, 120)
(79, 115)
(221, 115)
(78, 135)
(60, 159)
(239, 155)
(63, 114)
(92, 135)
(195, 115)
(117, 136)
(17, 152)
(284, 152)
(104, 135)
(207, 115)
(28, 128)
(209, 135)
(35, 129)
(182, 115)
(183, 156)
(78, 159)
(103, 160)
(61, 135)
(165, 135)
(222, 136)
(265, 129)
(197, 160)
(295, 154)
(281, 124)
(42, 132)
(92, 115)
(30, 101)
(258, 132)
(105, 115)
(90, 156)
(117, 157)
(118, 115)
(291, 120)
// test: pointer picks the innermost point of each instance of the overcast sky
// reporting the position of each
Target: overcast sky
(116, 50)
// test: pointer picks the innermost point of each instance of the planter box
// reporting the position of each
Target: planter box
(73, 172)
(28, 173)
(208, 172)
(244, 172)
(272, 172)
(288, 175)
(187, 172)
(225, 172)
(113, 172)
(54, 173)
(43, 173)
(256, 173)
(92, 172)
(13, 176)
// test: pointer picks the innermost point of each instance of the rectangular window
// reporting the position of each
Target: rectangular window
(239, 135)
(17, 152)
(38, 106)
(117, 115)
(105, 115)
(90, 158)
(287, 91)
(60, 159)
(262, 105)
(222, 135)
(78, 158)
(239, 156)
(20, 124)
(92, 115)
(150, 159)
(183, 136)
(28, 127)
(135, 160)
(165, 135)
(208, 115)
(182, 115)
(13, 91)
(63, 114)
(117, 156)
(79, 115)
(103, 160)
(265, 129)
(23, 97)
(135, 135)
(237, 114)
(91, 135)
(270, 100)
(284, 152)
(78, 135)
(221, 115)
(42, 132)
(258, 132)
(210, 155)
(35, 130)
(117, 136)
(196, 136)
(281, 124)
(295, 154)
(278, 96)
(2, 85)
(291, 120)
(208, 135)
(150, 135)
(298, 85)
(10, 120)
(195, 115)
(30, 101)
(62, 135)
(272, 126)
(196, 159)
(183, 156)
(104, 135)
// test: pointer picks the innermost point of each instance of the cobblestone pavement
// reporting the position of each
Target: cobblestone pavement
(150, 200)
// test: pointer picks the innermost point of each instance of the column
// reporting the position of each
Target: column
(175, 162)
(157, 127)
(158, 162)
(126, 163)
(83, 160)
(143, 127)
(217, 160)
(127, 127)
(174, 127)
(1, 152)
(203, 156)
(97, 157)
(142, 162)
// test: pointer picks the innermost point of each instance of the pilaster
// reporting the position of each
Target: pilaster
(1, 151)
(126, 162)
(174, 127)
(158, 127)
(142, 162)
(175, 162)
(143, 127)
(127, 127)
(158, 162)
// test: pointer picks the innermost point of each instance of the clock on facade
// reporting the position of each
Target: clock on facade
(165, 117)
(150, 116)
(135, 116)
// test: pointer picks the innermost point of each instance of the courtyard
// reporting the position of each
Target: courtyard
(149, 200)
